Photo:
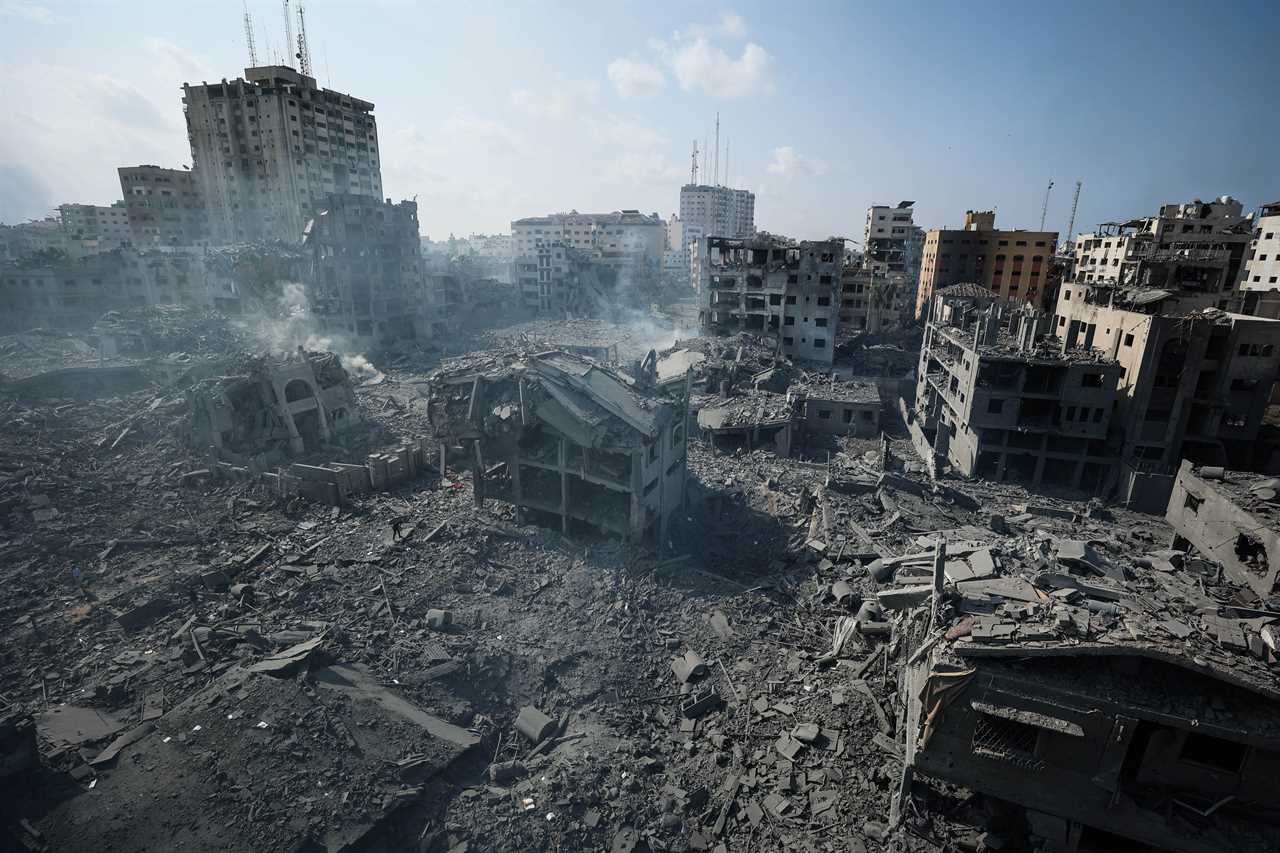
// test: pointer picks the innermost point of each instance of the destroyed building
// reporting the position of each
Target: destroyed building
(892, 242)
(1122, 701)
(1188, 256)
(1260, 272)
(165, 206)
(1232, 517)
(566, 441)
(769, 286)
(294, 404)
(872, 302)
(1004, 402)
(1195, 383)
(367, 282)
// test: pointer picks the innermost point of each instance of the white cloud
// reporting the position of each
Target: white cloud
(699, 63)
(787, 163)
(27, 10)
(635, 78)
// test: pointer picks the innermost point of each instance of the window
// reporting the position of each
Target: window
(1128, 340)
(1091, 380)
(824, 300)
(820, 322)
(847, 414)
(1006, 740)
(791, 300)
(1066, 296)
(788, 341)
(1213, 752)
(995, 407)
(819, 343)
(824, 414)
(1097, 415)
(789, 321)
(1192, 502)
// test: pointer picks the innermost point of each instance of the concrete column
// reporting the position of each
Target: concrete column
(563, 460)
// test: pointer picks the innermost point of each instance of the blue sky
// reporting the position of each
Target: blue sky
(491, 111)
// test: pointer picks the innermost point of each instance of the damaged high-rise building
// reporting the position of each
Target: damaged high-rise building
(565, 440)
(1260, 272)
(367, 282)
(268, 148)
(771, 286)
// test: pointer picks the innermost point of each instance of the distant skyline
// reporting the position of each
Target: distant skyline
(490, 111)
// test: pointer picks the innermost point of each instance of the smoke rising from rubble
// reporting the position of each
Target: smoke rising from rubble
(293, 325)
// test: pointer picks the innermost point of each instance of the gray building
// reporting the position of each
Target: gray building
(165, 206)
(267, 149)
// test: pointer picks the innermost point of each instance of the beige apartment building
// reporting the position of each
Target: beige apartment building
(1260, 276)
(613, 238)
(1013, 265)
(104, 226)
(165, 206)
(270, 148)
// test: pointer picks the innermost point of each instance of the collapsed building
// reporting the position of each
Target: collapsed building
(295, 405)
(1003, 402)
(769, 286)
(566, 441)
(872, 302)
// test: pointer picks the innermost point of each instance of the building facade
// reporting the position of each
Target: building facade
(614, 238)
(1013, 265)
(786, 290)
(1189, 253)
(269, 148)
(367, 281)
(1004, 403)
(105, 226)
(891, 241)
(165, 206)
(714, 211)
(1260, 275)
(872, 302)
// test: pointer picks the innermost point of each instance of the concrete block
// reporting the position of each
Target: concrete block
(904, 598)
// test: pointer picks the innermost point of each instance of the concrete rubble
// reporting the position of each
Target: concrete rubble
(555, 603)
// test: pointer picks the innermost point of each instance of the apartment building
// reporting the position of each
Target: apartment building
(1004, 402)
(891, 241)
(716, 211)
(367, 281)
(26, 238)
(1187, 256)
(776, 287)
(1013, 265)
(165, 207)
(873, 301)
(560, 280)
(269, 148)
(617, 238)
(1194, 384)
(105, 226)
(1260, 273)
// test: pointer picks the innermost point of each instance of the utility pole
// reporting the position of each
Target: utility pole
(1044, 208)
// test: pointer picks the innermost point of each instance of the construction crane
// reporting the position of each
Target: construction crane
(1044, 208)
(304, 49)
(1071, 225)
(248, 36)
(288, 28)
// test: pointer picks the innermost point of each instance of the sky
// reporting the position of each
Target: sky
(490, 111)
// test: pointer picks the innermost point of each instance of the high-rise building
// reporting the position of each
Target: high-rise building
(614, 238)
(708, 211)
(269, 148)
(892, 242)
(165, 206)
(1260, 276)
(1011, 264)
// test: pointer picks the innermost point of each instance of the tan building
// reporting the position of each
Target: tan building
(1260, 276)
(1011, 264)
(269, 148)
(107, 227)
(165, 206)
(609, 237)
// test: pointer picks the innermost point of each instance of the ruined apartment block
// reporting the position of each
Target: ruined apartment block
(1232, 517)
(892, 242)
(1260, 275)
(765, 286)
(1006, 404)
(568, 442)
(556, 278)
(367, 282)
(165, 206)
(292, 405)
(1188, 256)
(269, 148)
(1194, 384)
(96, 227)
(872, 302)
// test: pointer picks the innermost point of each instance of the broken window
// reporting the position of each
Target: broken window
(1213, 752)
(1006, 740)
(1252, 553)
(1192, 502)
(1091, 380)
(995, 407)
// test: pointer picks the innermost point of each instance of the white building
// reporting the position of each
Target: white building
(708, 211)
(1260, 275)
(613, 238)
(891, 240)
(105, 226)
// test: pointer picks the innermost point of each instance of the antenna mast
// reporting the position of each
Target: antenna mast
(288, 30)
(727, 182)
(1044, 208)
(304, 49)
(693, 167)
(1071, 225)
(248, 36)
(716, 169)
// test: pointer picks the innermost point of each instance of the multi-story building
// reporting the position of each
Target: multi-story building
(1011, 264)
(27, 238)
(616, 238)
(1188, 256)
(872, 301)
(367, 282)
(1195, 383)
(269, 148)
(768, 286)
(715, 211)
(106, 226)
(1006, 403)
(891, 241)
(165, 206)
(1260, 276)
(558, 279)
